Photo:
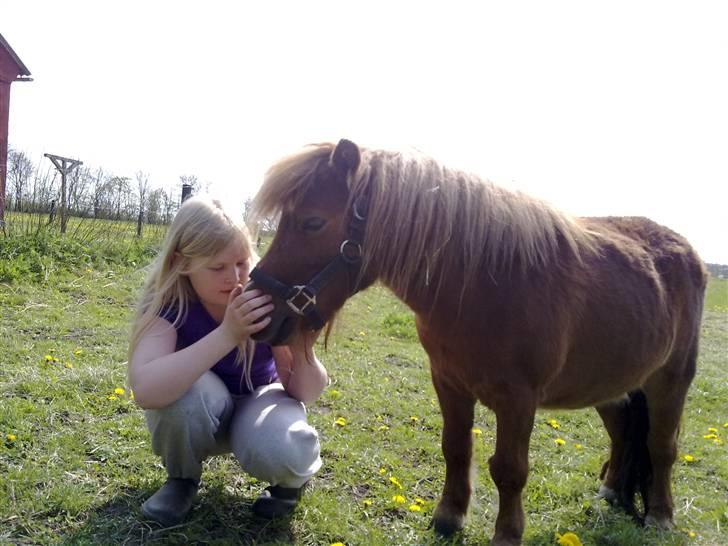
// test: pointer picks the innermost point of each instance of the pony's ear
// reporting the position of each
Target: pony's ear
(346, 157)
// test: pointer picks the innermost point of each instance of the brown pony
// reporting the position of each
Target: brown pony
(517, 305)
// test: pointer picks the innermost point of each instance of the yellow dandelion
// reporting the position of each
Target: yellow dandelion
(367, 502)
(48, 358)
(112, 397)
(553, 423)
(578, 446)
(688, 458)
(718, 441)
(710, 436)
(384, 427)
(399, 499)
(420, 501)
(568, 539)
(477, 431)
(341, 422)
(692, 534)
(55, 359)
(713, 430)
(362, 333)
(119, 391)
(725, 425)
(559, 442)
(415, 508)
(11, 437)
(338, 544)
(333, 393)
(68, 365)
(414, 418)
(78, 352)
(395, 481)
(382, 471)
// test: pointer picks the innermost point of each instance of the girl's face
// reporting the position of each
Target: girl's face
(214, 278)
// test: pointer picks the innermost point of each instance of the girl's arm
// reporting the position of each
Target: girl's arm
(159, 375)
(303, 377)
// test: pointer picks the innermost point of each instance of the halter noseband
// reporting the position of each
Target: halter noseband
(301, 298)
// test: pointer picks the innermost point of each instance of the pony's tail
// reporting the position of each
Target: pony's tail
(635, 473)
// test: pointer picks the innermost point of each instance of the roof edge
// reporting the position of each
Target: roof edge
(23, 69)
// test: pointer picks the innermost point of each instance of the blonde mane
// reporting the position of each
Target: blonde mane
(424, 216)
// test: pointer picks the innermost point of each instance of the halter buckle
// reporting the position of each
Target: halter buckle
(301, 292)
(350, 251)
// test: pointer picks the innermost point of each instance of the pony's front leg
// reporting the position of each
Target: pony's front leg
(509, 465)
(457, 408)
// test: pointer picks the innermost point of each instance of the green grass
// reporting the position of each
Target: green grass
(80, 464)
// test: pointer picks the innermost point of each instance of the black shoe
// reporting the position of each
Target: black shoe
(276, 501)
(172, 502)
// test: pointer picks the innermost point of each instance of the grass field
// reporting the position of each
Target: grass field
(75, 463)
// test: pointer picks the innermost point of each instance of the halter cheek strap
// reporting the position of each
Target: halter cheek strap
(301, 298)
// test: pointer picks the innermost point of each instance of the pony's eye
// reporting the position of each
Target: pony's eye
(313, 224)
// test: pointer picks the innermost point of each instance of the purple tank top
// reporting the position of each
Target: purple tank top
(198, 324)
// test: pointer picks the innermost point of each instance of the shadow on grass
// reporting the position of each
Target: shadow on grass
(217, 518)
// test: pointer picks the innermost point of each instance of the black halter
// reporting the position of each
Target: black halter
(301, 298)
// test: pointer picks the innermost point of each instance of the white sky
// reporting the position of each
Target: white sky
(614, 108)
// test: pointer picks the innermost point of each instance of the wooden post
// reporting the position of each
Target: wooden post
(65, 166)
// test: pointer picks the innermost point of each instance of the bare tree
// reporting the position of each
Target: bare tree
(20, 171)
(155, 206)
(143, 191)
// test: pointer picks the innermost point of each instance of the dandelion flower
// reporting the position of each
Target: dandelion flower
(713, 430)
(420, 501)
(338, 544)
(68, 365)
(415, 508)
(477, 431)
(414, 418)
(382, 471)
(341, 422)
(691, 534)
(48, 358)
(718, 441)
(553, 423)
(578, 446)
(367, 502)
(568, 539)
(725, 425)
(334, 394)
(112, 397)
(559, 442)
(710, 436)
(11, 437)
(119, 391)
(78, 352)
(395, 481)
(399, 499)
(55, 359)
(688, 458)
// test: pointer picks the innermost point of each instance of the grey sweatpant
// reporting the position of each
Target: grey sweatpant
(266, 430)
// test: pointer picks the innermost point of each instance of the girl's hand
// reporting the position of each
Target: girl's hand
(244, 312)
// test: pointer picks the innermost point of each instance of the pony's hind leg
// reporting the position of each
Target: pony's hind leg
(666, 391)
(458, 407)
(515, 412)
(613, 417)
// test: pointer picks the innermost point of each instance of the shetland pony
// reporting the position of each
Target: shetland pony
(517, 305)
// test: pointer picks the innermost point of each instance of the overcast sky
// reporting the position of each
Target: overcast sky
(616, 108)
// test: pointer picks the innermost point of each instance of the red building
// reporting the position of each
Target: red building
(12, 70)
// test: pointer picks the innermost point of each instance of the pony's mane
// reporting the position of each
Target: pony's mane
(424, 216)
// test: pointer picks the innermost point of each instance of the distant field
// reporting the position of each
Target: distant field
(76, 465)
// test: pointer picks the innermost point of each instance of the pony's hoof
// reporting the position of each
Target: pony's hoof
(446, 525)
(608, 494)
(505, 541)
(662, 523)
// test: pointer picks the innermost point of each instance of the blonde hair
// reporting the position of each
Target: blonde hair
(200, 230)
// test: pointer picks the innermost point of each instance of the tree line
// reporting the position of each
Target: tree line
(90, 192)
